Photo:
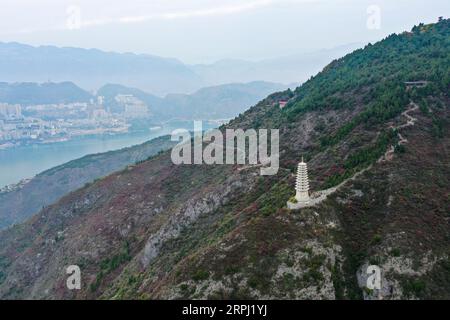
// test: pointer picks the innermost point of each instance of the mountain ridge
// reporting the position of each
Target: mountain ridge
(213, 102)
(42, 93)
(296, 68)
(221, 101)
(92, 68)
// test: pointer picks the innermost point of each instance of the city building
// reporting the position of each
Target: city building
(134, 108)
(10, 111)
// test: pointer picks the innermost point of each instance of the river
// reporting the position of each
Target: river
(23, 162)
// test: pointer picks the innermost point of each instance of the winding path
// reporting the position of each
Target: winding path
(388, 155)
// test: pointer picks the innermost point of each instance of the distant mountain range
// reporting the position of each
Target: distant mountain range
(45, 93)
(286, 69)
(217, 102)
(222, 101)
(92, 68)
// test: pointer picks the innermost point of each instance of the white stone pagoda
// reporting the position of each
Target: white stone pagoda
(302, 198)
(302, 183)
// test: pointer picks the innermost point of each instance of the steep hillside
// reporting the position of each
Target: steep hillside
(158, 230)
(47, 187)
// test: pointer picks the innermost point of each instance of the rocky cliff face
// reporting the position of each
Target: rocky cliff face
(157, 230)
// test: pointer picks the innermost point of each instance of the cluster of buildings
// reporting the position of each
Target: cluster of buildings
(10, 111)
(47, 123)
(133, 107)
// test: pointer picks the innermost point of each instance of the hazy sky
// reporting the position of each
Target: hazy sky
(197, 31)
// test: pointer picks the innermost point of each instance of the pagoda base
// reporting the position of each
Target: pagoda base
(299, 205)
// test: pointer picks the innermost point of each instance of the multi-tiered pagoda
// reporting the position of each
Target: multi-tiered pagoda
(302, 183)
(302, 198)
